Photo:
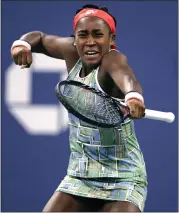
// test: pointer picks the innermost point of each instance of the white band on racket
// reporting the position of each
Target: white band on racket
(21, 43)
(135, 95)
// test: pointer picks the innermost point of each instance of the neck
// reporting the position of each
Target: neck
(87, 69)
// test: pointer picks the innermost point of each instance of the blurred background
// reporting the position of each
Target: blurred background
(35, 148)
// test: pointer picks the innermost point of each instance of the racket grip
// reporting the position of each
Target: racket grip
(169, 117)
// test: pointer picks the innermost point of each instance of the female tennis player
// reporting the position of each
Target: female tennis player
(106, 169)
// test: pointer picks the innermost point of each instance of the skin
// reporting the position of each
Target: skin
(115, 77)
(62, 202)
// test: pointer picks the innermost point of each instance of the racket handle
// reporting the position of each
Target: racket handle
(158, 115)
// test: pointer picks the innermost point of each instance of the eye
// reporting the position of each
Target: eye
(82, 35)
(99, 34)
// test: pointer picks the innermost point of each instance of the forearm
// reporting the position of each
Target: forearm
(125, 79)
(35, 39)
(123, 76)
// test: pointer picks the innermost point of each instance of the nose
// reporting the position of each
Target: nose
(90, 41)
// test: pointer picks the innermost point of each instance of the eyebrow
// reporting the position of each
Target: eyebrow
(85, 31)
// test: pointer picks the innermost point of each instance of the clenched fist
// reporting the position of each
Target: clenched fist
(21, 55)
(136, 107)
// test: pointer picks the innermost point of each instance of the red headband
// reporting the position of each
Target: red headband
(98, 13)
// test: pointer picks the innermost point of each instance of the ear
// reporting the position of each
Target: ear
(74, 41)
(113, 39)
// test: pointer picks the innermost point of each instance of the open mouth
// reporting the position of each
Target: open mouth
(91, 53)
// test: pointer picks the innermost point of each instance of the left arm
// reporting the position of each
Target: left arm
(115, 64)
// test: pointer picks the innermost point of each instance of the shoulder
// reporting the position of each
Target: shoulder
(67, 48)
(114, 57)
(65, 40)
(59, 41)
(69, 52)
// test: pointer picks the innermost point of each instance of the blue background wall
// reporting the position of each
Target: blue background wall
(34, 164)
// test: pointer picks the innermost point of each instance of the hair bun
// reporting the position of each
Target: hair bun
(104, 9)
(91, 6)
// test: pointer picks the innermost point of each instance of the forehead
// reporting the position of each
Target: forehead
(89, 23)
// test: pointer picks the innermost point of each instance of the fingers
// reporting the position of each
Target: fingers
(22, 56)
(137, 108)
(29, 58)
(19, 61)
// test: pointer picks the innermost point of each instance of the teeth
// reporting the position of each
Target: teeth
(91, 53)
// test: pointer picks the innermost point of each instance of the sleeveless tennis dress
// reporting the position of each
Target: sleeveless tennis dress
(105, 163)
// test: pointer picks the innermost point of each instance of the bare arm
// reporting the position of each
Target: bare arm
(51, 45)
(115, 64)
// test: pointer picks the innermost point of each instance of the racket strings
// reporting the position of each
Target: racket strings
(91, 104)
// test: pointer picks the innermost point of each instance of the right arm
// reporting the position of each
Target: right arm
(50, 45)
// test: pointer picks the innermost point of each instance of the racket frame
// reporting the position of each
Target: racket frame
(72, 110)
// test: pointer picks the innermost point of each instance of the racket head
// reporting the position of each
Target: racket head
(67, 95)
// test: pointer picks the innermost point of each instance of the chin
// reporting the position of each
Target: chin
(92, 64)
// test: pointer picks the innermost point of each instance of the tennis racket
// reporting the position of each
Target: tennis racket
(96, 107)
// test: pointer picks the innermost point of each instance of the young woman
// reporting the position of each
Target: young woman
(106, 169)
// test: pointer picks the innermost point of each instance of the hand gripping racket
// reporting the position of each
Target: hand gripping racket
(96, 107)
